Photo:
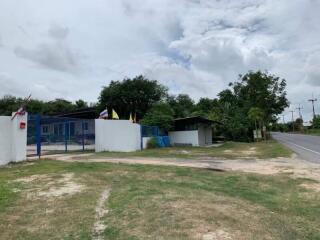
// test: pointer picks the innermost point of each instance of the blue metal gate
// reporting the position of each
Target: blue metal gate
(50, 135)
(154, 131)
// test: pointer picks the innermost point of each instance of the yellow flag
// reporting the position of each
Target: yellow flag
(135, 118)
(131, 118)
(114, 114)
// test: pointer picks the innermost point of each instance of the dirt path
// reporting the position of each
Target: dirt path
(295, 166)
(101, 211)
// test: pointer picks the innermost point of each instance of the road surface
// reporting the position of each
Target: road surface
(306, 146)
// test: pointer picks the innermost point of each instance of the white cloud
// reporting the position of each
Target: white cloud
(72, 48)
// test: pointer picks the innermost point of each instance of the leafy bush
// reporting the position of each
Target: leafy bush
(152, 143)
(316, 121)
(160, 115)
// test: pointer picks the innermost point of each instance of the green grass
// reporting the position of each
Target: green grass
(315, 132)
(153, 202)
(230, 150)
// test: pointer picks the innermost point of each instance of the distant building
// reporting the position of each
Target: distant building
(71, 125)
(307, 124)
(192, 131)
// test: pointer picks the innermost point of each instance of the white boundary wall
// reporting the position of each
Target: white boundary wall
(117, 136)
(184, 137)
(196, 138)
(13, 140)
(145, 142)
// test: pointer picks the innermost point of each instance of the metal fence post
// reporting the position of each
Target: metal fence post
(38, 134)
(65, 137)
(82, 123)
(141, 138)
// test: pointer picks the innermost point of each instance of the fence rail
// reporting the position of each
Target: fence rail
(154, 131)
(47, 134)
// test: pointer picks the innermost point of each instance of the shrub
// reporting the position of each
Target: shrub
(152, 143)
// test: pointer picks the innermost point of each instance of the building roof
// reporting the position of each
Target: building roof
(84, 113)
(195, 119)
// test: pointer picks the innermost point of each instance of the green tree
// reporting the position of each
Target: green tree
(299, 124)
(262, 90)
(9, 104)
(81, 104)
(58, 105)
(208, 108)
(161, 115)
(35, 106)
(135, 95)
(256, 115)
(253, 90)
(182, 105)
(316, 121)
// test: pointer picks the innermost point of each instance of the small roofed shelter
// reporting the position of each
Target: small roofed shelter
(192, 131)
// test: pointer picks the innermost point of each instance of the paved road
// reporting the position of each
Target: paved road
(307, 147)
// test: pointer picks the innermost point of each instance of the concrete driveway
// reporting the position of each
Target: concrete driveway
(294, 166)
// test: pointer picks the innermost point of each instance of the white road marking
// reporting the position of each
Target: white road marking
(307, 149)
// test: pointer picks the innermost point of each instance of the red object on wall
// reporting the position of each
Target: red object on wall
(22, 125)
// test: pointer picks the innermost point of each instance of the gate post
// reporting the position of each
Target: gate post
(65, 136)
(82, 124)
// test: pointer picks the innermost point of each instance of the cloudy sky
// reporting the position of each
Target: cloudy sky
(70, 49)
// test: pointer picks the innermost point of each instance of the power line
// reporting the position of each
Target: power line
(292, 111)
(299, 109)
(313, 100)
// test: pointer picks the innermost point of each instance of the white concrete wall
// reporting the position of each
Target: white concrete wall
(208, 135)
(184, 137)
(117, 136)
(145, 141)
(205, 135)
(13, 140)
(201, 136)
(5, 140)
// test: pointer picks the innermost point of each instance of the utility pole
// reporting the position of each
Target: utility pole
(299, 109)
(313, 100)
(292, 120)
(283, 119)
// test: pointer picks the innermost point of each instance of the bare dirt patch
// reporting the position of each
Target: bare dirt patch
(294, 166)
(47, 186)
(33, 178)
(219, 234)
(250, 152)
(101, 211)
(311, 186)
(228, 151)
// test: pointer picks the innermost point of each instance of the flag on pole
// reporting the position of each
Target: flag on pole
(22, 110)
(135, 118)
(104, 114)
(114, 114)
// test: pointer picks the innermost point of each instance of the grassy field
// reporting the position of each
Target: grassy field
(58, 200)
(230, 150)
(315, 132)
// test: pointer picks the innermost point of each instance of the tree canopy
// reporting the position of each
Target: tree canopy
(182, 105)
(9, 104)
(316, 121)
(161, 115)
(256, 97)
(135, 96)
(254, 90)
